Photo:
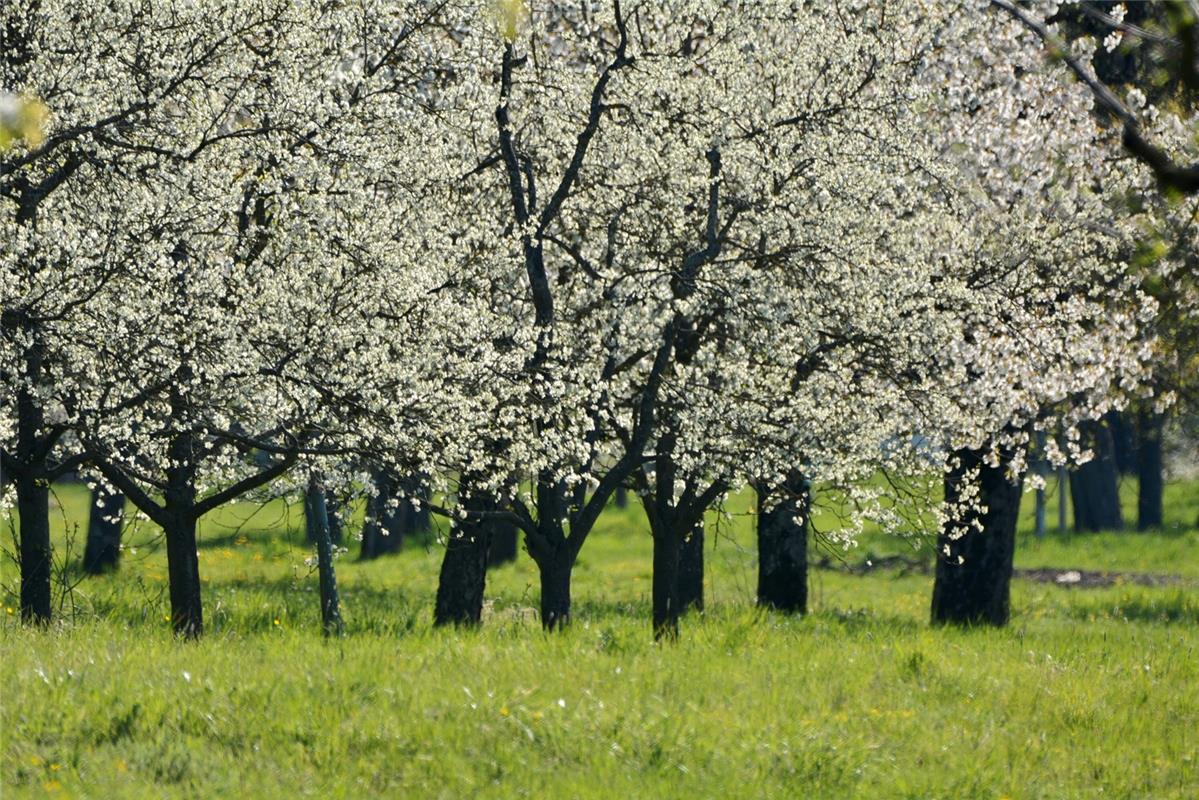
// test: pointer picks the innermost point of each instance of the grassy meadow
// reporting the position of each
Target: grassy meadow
(1091, 692)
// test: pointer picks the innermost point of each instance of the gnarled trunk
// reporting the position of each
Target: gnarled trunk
(783, 546)
(463, 577)
(974, 566)
(105, 520)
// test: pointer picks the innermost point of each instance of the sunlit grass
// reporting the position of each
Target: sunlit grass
(1089, 692)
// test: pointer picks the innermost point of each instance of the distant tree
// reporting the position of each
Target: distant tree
(102, 552)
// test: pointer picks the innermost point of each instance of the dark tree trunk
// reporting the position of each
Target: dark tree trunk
(555, 591)
(105, 520)
(33, 507)
(1149, 469)
(689, 593)
(783, 547)
(667, 545)
(383, 532)
(1063, 499)
(1095, 486)
(1123, 442)
(622, 498)
(183, 568)
(33, 490)
(318, 517)
(463, 577)
(179, 524)
(974, 567)
(504, 543)
(415, 518)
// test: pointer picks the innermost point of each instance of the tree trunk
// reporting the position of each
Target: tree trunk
(416, 519)
(318, 516)
(331, 505)
(689, 593)
(33, 507)
(183, 568)
(622, 497)
(555, 591)
(1063, 499)
(383, 531)
(179, 525)
(1149, 469)
(105, 520)
(504, 543)
(1123, 442)
(783, 547)
(974, 567)
(1095, 487)
(463, 577)
(667, 545)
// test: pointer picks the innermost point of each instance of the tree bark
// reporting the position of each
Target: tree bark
(1123, 442)
(689, 593)
(331, 506)
(383, 532)
(1095, 487)
(555, 592)
(974, 567)
(463, 577)
(105, 520)
(1149, 469)
(504, 543)
(783, 546)
(667, 545)
(318, 516)
(33, 507)
(179, 524)
(183, 570)
(33, 490)
(1063, 499)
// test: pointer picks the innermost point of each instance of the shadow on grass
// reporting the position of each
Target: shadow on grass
(1170, 608)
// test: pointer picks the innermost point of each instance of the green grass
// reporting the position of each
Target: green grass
(1089, 693)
